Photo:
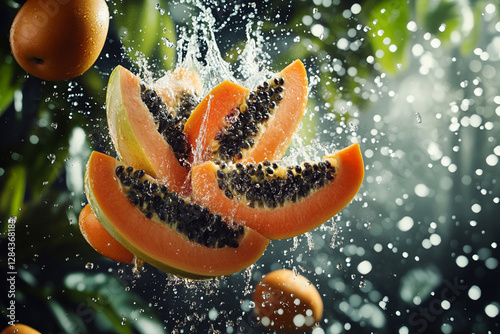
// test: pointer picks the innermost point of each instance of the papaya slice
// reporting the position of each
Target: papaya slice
(146, 124)
(211, 116)
(163, 229)
(280, 201)
(233, 123)
(97, 237)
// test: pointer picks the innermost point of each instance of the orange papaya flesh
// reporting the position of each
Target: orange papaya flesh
(149, 136)
(211, 116)
(232, 123)
(294, 203)
(279, 130)
(163, 239)
(97, 237)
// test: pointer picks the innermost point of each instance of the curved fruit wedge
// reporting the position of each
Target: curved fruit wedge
(231, 123)
(280, 202)
(163, 229)
(212, 115)
(97, 237)
(147, 133)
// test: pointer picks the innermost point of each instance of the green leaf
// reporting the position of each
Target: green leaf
(454, 23)
(389, 36)
(431, 14)
(105, 295)
(8, 86)
(143, 29)
(12, 194)
(167, 50)
(471, 37)
(68, 321)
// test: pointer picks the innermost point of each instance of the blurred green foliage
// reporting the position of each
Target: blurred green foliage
(38, 120)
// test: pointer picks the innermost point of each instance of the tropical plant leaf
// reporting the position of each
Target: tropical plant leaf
(148, 36)
(7, 86)
(105, 295)
(12, 193)
(389, 36)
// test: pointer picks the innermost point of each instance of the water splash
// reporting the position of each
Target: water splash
(52, 158)
(198, 50)
(418, 117)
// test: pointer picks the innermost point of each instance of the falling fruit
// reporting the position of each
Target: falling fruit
(287, 302)
(19, 329)
(59, 40)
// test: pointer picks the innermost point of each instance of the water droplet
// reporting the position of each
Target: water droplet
(353, 276)
(339, 266)
(167, 42)
(54, 125)
(161, 10)
(353, 127)
(51, 157)
(362, 284)
(418, 117)
(89, 266)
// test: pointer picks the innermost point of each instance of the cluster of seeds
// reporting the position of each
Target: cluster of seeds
(245, 123)
(191, 220)
(270, 185)
(186, 104)
(171, 123)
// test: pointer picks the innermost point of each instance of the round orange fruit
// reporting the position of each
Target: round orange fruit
(59, 39)
(287, 302)
(100, 239)
(19, 329)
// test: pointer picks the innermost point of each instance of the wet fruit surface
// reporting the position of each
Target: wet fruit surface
(280, 201)
(165, 242)
(146, 123)
(59, 40)
(199, 219)
(233, 123)
(287, 302)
